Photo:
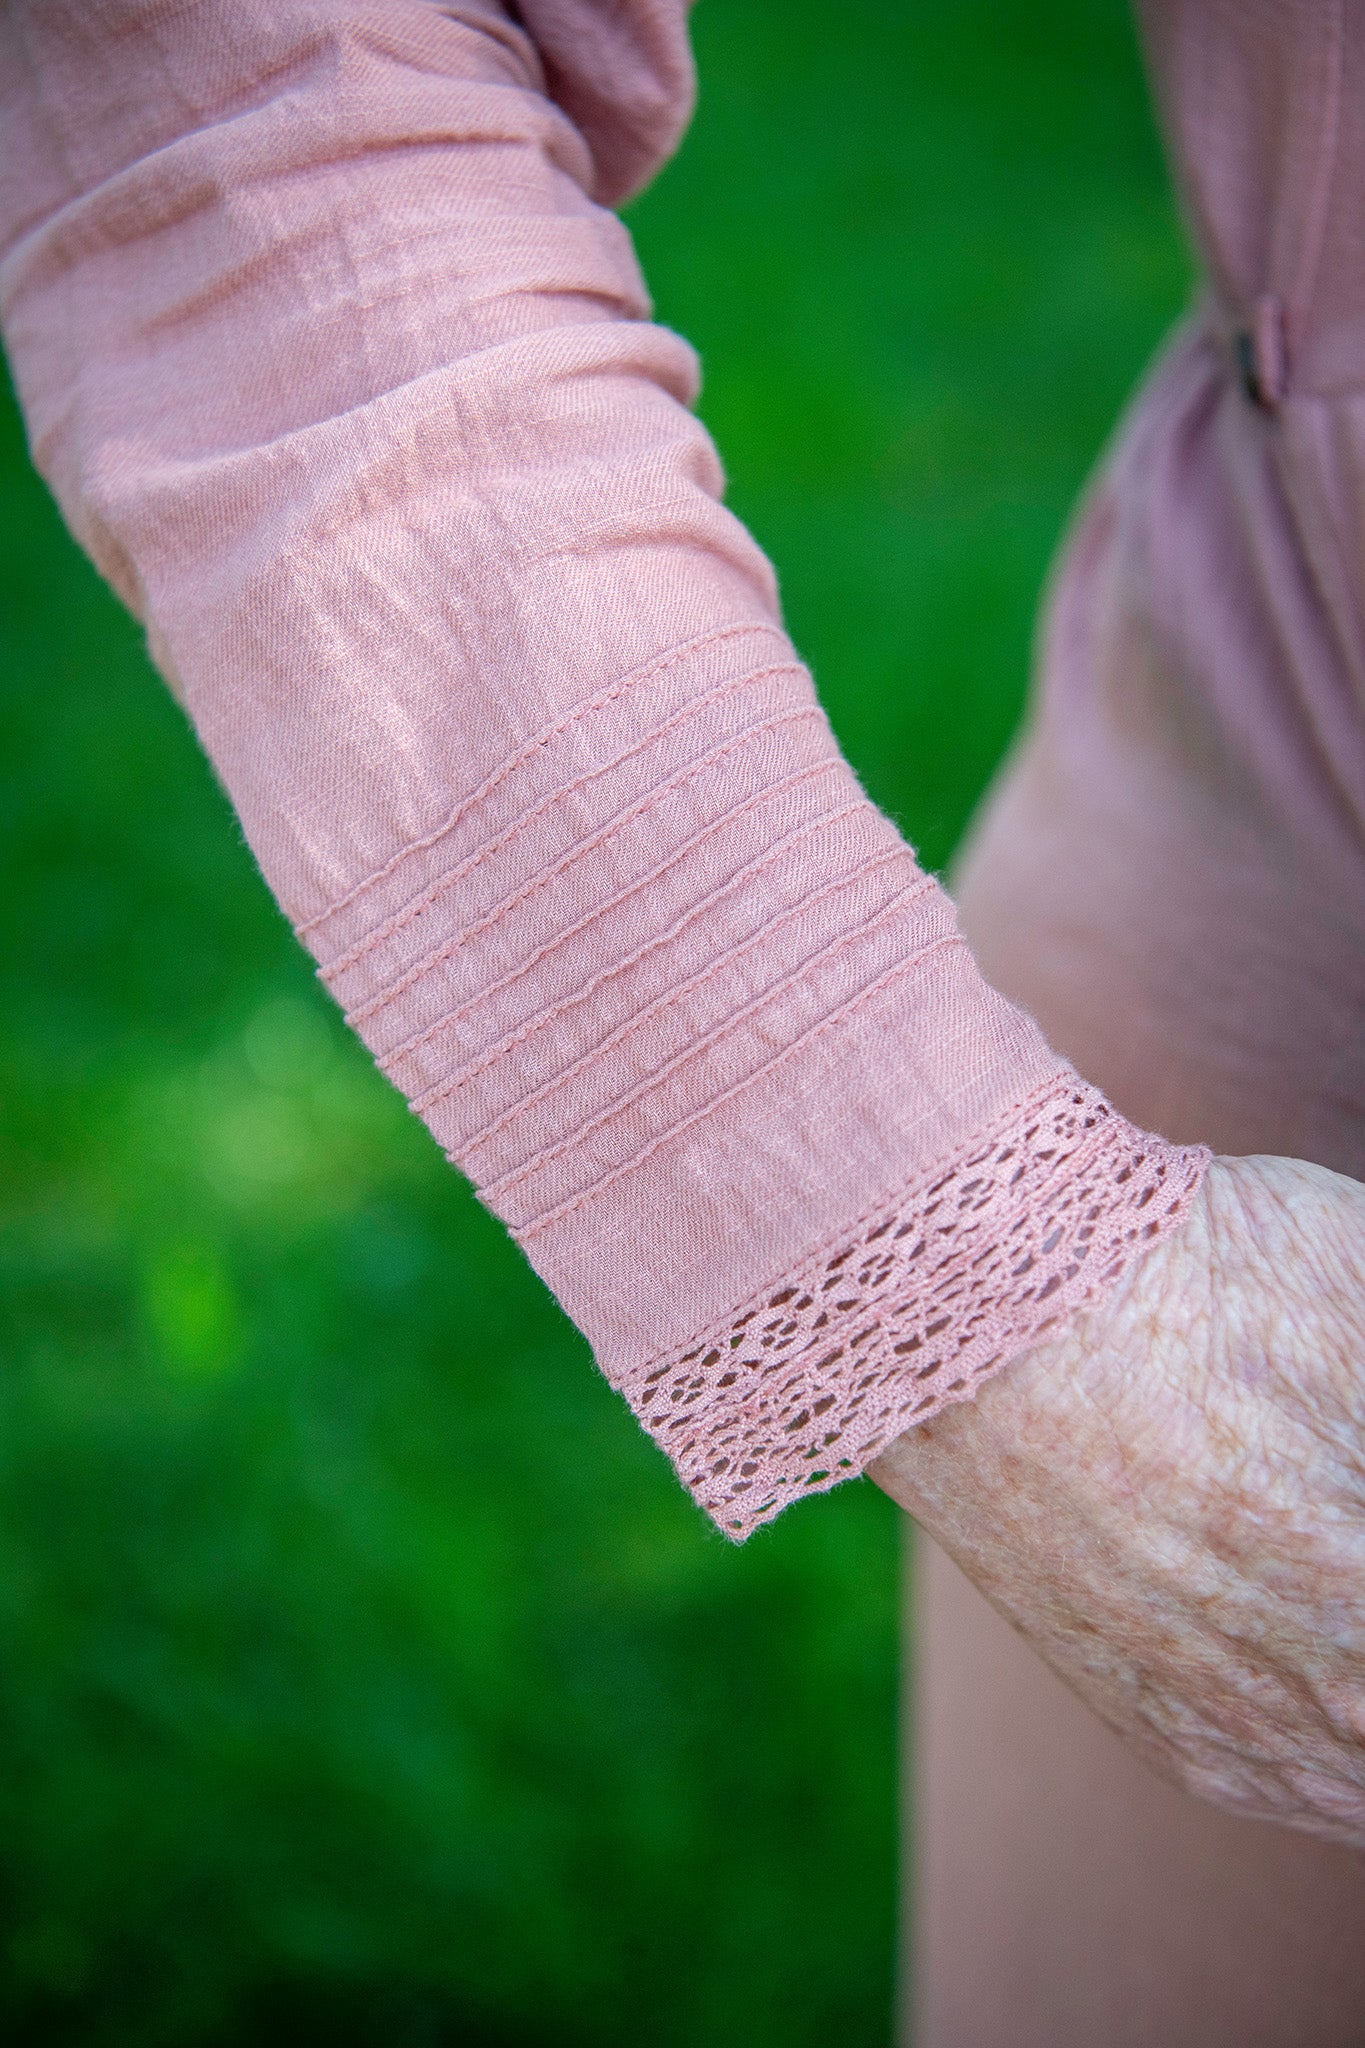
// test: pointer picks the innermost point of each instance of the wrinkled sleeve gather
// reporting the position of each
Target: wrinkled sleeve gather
(345, 377)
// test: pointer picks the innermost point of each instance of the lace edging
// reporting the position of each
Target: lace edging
(914, 1306)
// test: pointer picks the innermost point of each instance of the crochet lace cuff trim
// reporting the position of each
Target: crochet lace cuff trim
(913, 1306)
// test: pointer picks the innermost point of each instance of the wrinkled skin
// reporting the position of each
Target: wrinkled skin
(1168, 1501)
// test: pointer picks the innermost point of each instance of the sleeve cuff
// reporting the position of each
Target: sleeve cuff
(915, 1305)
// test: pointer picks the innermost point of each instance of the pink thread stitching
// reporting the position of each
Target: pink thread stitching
(669, 786)
(435, 890)
(831, 949)
(641, 1016)
(584, 708)
(600, 910)
(525, 1231)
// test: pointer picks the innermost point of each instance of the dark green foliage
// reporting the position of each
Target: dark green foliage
(364, 1678)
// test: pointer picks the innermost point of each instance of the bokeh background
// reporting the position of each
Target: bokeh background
(364, 1677)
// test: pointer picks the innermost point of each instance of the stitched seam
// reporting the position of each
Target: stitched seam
(524, 1232)
(636, 679)
(747, 872)
(494, 1190)
(945, 1166)
(798, 1373)
(400, 919)
(921, 1186)
(791, 915)
(639, 807)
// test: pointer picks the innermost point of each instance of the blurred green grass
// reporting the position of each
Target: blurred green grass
(363, 1675)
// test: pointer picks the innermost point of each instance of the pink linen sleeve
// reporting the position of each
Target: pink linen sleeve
(345, 377)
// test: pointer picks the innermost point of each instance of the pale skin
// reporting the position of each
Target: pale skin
(1168, 1499)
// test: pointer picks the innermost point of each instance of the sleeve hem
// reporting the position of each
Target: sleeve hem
(914, 1306)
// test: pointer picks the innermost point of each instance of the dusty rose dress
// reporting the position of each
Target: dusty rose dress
(1171, 876)
(344, 375)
